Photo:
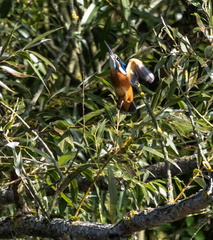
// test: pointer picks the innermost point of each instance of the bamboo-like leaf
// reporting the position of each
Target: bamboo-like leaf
(8, 41)
(126, 9)
(38, 151)
(64, 159)
(74, 190)
(39, 38)
(193, 75)
(45, 60)
(72, 175)
(200, 181)
(91, 115)
(153, 151)
(113, 193)
(14, 72)
(159, 154)
(17, 84)
(6, 87)
(67, 199)
(88, 174)
(199, 22)
(89, 14)
(38, 74)
(18, 164)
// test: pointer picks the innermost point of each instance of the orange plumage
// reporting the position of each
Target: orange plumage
(123, 76)
(123, 91)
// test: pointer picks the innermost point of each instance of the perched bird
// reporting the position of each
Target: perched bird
(123, 76)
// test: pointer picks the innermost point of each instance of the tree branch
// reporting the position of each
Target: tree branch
(131, 223)
(187, 164)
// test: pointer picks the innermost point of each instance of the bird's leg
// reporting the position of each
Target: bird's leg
(120, 104)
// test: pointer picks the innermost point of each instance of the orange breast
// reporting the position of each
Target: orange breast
(123, 88)
(121, 85)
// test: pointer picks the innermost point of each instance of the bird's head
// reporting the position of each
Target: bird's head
(116, 62)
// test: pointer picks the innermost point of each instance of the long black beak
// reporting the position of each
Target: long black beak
(110, 50)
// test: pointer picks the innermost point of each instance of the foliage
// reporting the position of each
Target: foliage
(72, 128)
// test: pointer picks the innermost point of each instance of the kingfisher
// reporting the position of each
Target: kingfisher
(123, 76)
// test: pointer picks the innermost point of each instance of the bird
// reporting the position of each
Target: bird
(123, 76)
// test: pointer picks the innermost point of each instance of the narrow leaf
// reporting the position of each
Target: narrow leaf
(14, 72)
(38, 74)
(113, 193)
(8, 41)
(89, 14)
(5, 86)
(47, 62)
(71, 176)
(40, 37)
(18, 164)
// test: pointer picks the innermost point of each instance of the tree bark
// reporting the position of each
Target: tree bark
(132, 222)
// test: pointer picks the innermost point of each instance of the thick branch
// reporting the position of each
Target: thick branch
(6, 197)
(186, 165)
(133, 222)
(162, 215)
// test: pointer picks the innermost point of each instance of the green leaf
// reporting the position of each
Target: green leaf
(38, 74)
(91, 115)
(200, 182)
(39, 38)
(113, 194)
(64, 159)
(199, 22)
(126, 9)
(153, 151)
(67, 199)
(45, 60)
(38, 151)
(74, 190)
(19, 85)
(75, 172)
(88, 174)
(8, 41)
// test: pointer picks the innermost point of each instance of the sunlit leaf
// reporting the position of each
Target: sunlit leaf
(89, 14)
(18, 164)
(12, 144)
(126, 9)
(14, 72)
(5, 87)
(64, 159)
(45, 60)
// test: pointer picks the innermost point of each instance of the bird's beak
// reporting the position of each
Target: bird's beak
(109, 49)
(112, 60)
